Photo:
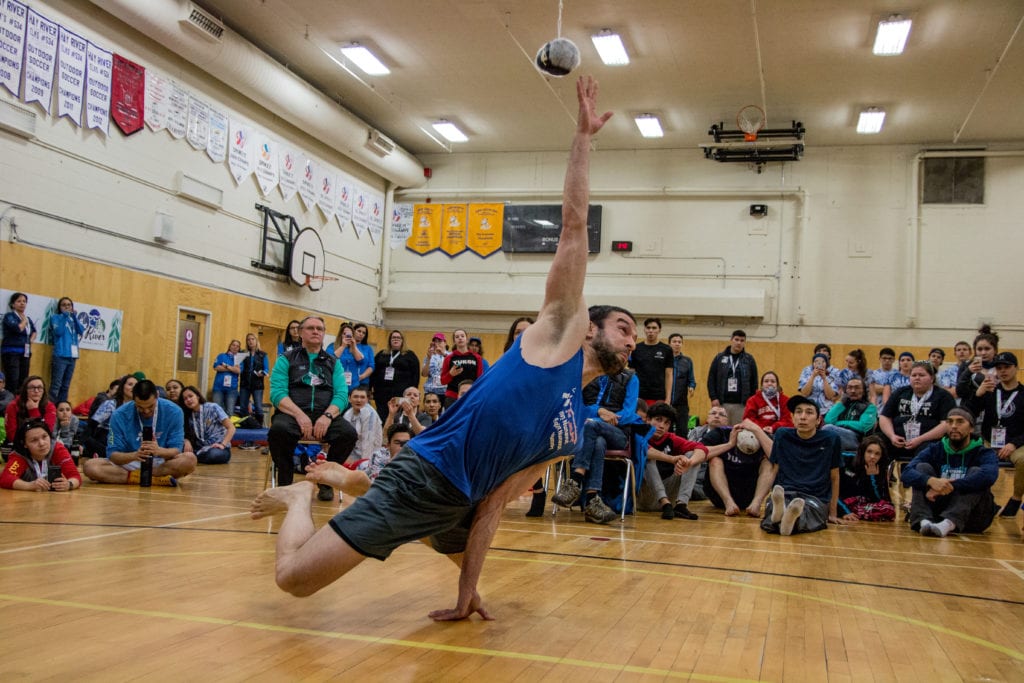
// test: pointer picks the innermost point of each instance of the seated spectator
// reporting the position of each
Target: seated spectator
(1001, 402)
(86, 408)
(5, 396)
(405, 410)
(126, 448)
(432, 408)
(356, 482)
(878, 379)
(366, 422)
(738, 468)
(32, 401)
(863, 488)
(915, 415)
(856, 366)
(853, 417)
(66, 429)
(173, 388)
(900, 378)
(671, 468)
(28, 466)
(818, 383)
(986, 346)
(94, 438)
(767, 408)
(208, 429)
(609, 405)
(433, 363)
(395, 370)
(952, 481)
(476, 345)
(464, 387)
(806, 463)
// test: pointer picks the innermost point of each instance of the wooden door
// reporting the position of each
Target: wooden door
(190, 354)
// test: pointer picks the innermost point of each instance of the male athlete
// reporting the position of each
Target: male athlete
(449, 485)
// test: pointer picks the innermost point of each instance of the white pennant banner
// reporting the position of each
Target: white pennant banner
(71, 75)
(361, 211)
(376, 217)
(177, 110)
(97, 88)
(217, 145)
(40, 58)
(266, 164)
(343, 201)
(288, 173)
(198, 133)
(13, 16)
(325, 191)
(401, 225)
(156, 100)
(240, 151)
(307, 182)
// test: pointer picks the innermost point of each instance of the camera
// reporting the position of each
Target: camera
(403, 402)
(53, 473)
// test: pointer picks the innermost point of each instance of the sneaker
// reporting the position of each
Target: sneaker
(567, 494)
(683, 512)
(597, 512)
(1010, 509)
(537, 504)
(324, 493)
(667, 512)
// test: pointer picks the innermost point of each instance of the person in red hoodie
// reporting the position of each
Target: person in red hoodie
(767, 408)
(28, 466)
(459, 365)
(32, 401)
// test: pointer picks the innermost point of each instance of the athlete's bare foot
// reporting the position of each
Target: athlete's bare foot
(272, 501)
(326, 472)
(754, 511)
(732, 510)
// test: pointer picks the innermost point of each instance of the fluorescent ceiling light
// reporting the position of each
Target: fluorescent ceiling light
(892, 35)
(609, 46)
(450, 131)
(870, 121)
(649, 125)
(365, 60)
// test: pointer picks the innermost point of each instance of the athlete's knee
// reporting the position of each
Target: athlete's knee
(293, 581)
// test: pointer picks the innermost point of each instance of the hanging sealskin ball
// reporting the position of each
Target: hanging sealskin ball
(558, 57)
(747, 442)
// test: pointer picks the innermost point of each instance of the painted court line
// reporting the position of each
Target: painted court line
(1009, 567)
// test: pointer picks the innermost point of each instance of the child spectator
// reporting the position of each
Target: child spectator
(863, 489)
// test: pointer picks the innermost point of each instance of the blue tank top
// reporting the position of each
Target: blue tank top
(516, 415)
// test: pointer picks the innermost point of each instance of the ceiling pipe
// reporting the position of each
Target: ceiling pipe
(241, 65)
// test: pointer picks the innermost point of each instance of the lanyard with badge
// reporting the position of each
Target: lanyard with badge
(226, 382)
(199, 425)
(69, 325)
(998, 437)
(732, 384)
(912, 427)
(156, 407)
(954, 473)
(777, 408)
(389, 371)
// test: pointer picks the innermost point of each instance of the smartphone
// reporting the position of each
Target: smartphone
(53, 473)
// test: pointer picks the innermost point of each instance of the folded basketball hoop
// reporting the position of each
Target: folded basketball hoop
(750, 120)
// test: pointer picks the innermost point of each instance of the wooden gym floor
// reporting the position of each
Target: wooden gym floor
(114, 583)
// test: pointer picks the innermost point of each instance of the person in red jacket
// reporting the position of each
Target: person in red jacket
(27, 468)
(767, 408)
(32, 401)
(671, 468)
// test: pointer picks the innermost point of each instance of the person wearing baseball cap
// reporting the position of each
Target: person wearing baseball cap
(1001, 401)
(433, 362)
(952, 481)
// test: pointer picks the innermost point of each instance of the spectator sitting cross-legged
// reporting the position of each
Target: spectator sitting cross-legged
(208, 429)
(738, 468)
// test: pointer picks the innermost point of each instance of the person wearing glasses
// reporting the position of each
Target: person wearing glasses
(32, 402)
(309, 392)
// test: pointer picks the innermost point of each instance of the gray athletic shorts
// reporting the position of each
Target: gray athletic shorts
(409, 500)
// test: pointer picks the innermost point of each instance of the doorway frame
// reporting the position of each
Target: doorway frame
(204, 370)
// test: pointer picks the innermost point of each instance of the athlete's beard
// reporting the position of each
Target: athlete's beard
(610, 361)
(960, 443)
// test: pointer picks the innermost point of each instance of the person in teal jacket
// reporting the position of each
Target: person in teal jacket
(66, 331)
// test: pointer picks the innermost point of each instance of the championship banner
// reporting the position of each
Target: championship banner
(266, 164)
(217, 144)
(99, 64)
(40, 58)
(453, 234)
(157, 88)
(198, 132)
(426, 228)
(484, 228)
(102, 325)
(360, 211)
(325, 198)
(240, 152)
(401, 224)
(343, 201)
(71, 75)
(177, 110)
(307, 182)
(288, 173)
(376, 217)
(127, 95)
(13, 16)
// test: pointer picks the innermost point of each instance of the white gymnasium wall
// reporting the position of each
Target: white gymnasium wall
(99, 194)
(833, 255)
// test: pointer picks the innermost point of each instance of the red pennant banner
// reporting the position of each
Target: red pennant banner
(127, 94)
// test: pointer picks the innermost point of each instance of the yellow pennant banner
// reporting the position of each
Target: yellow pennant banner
(426, 228)
(453, 230)
(485, 227)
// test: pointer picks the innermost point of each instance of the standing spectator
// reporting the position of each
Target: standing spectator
(254, 368)
(34, 452)
(290, 339)
(952, 481)
(900, 377)
(66, 332)
(1001, 402)
(732, 377)
(852, 417)
(986, 346)
(476, 345)
(208, 429)
(360, 332)
(225, 383)
(767, 408)
(353, 363)
(32, 402)
(66, 429)
(518, 326)
(460, 365)
(962, 351)
(856, 366)
(863, 488)
(817, 383)
(366, 422)
(395, 369)
(652, 360)
(5, 395)
(878, 379)
(16, 348)
(915, 415)
(433, 363)
(683, 384)
(945, 376)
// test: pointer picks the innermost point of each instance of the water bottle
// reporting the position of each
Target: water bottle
(146, 470)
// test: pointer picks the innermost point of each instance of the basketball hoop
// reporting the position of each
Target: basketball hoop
(316, 282)
(750, 119)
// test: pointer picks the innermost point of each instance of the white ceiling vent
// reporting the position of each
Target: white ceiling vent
(380, 143)
(202, 22)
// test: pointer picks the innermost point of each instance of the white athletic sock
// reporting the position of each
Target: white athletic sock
(778, 504)
(791, 515)
(944, 528)
(926, 527)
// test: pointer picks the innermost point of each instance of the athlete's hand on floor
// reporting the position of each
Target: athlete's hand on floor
(463, 611)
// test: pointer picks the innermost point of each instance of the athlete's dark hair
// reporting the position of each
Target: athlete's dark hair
(144, 389)
(598, 314)
(662, 409)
